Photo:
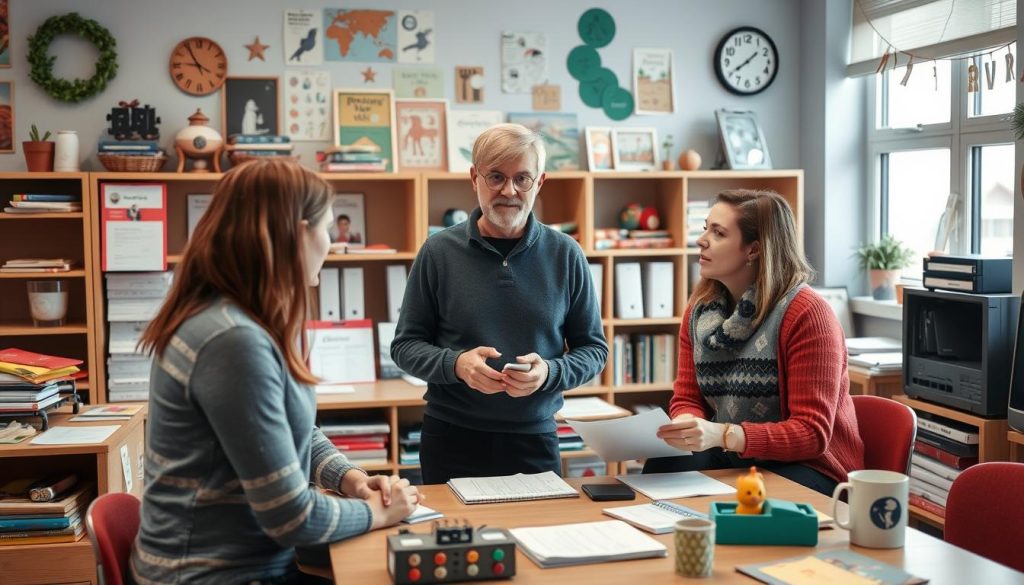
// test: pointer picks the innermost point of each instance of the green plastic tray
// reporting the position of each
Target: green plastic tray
(781, 523)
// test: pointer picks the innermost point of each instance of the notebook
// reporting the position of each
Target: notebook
(657, 517)
(511, 488)
(681, 484)
(586, 542)
(838, 567)
(422, 514)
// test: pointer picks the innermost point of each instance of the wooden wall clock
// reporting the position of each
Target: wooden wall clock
(198, 66)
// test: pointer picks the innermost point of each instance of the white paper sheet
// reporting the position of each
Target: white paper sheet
(335, 389)
(75, 435)
(682, 484)
(631, 437)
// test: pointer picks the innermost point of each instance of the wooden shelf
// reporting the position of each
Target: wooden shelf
(376, 395)
(926, 516)
(398, 256)
(38, 275)
(631, 388)
(1016, 440)
(586, 391)
(33, 564)
(581, 454)
(374, 466)
(29, 329)
(992, 432)
(64, 215)
(630, 252)
(643, 322)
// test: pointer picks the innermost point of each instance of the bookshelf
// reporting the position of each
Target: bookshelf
(1016, 444)
(50, 235)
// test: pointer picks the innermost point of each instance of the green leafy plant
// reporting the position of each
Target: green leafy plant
(33, 135)
(887, 254)
(1017, 121)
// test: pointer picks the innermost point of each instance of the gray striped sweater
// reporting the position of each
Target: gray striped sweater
(230, 454)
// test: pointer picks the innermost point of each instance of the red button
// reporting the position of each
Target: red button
(440, 558)
(498, 568)
(414, 574)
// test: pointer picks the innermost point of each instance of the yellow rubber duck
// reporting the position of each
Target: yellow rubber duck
(750, 492)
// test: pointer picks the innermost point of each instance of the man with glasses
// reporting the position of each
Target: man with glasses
(499, 289)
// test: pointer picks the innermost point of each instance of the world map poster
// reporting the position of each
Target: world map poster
(360, 35)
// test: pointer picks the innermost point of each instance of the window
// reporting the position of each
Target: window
(942, 158)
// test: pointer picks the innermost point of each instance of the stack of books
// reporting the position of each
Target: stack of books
(38, 368)
(890, 361)
(644, 358)
(150, 148)
(943, 449)
(43, 511)
(364, 443)
(609, 238)
(43, 203)
(243, 146)
(361, 156)
(696, 216)
(569, 439)
(133, 299)
(409, 445)
(37, 265)
(18, 395)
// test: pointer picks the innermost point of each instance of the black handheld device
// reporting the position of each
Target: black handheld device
(602, 492)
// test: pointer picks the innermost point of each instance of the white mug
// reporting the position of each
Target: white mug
(878, 508)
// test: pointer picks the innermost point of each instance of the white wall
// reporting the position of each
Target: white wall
(467, 34)
(1018, 168)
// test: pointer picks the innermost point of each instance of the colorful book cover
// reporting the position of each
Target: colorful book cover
(839, 567)
(28, 358)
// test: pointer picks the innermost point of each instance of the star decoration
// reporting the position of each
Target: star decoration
(256, 49)
(369, 75)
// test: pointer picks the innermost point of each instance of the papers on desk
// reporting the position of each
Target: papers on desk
(422, 514)
(587, 542)
(335, 389)
(511, 488)
(841, 567)
(879, 362)
(658, 517)
(682, 484)
(859, 345)
(632, 437)
(75, 435)
(589, 408)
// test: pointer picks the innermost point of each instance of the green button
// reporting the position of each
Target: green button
(596, 27)
(498, 555)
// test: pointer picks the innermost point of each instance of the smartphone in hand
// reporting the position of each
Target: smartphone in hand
(517, 367)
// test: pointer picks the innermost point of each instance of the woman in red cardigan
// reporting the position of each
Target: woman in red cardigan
(762, 362)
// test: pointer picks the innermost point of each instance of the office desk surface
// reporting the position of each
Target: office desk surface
(363, 559)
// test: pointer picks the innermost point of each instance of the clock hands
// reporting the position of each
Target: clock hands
(195, 62)
(741, 65)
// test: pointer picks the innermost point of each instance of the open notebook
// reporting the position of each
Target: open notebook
(587, 542)
(511, 488)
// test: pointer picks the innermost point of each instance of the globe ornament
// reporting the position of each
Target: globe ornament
(454, 216)
(629, 217)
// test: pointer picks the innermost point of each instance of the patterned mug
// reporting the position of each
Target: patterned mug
(695, 547)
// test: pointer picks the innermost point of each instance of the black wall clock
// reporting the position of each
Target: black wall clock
(746, 61)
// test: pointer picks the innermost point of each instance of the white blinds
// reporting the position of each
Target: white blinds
(927, 28)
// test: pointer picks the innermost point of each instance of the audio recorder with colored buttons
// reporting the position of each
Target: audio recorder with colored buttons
(451, 554)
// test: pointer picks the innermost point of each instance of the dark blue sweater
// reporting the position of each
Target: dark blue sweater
(463, 294)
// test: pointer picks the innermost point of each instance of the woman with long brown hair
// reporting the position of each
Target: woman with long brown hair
(762, 361)
(232, 447)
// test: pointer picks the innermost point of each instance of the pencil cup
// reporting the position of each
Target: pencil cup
(695, 547)
(48, 302)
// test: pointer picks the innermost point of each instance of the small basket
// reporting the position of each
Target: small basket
(128, 163)
(238, 158)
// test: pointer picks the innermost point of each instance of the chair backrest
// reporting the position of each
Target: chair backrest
(983, 512)
(888, 429)
(113, 521)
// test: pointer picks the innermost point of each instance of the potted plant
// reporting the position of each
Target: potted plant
(884, 260)
(1017, 123)
(38, 151)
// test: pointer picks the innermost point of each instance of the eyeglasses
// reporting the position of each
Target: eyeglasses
(496, 181)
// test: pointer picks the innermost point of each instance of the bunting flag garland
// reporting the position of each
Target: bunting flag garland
(990, 74)
(972, 78)
(1009, 65)
(906, 76)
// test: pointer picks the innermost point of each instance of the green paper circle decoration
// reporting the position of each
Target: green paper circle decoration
(584, 63)
(592, 91)
(42, 62)
(617, 103)
(596, 27)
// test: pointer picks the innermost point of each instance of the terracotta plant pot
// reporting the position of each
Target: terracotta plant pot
(883, 284)
(38, 155)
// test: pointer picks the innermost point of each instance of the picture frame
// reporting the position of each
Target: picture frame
(7, 117)
(250, 105)
(653, 84)
(307, 105)
(422, 130)
(464, 126)
(635, 149)
(348, 220)
(561, 134)
(599, 148)
(5, 40)
(742, 140)
(365, 117)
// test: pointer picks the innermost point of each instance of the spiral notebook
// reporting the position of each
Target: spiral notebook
(511, 488)
(657, 517)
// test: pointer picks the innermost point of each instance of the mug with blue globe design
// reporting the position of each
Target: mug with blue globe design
(878, 508)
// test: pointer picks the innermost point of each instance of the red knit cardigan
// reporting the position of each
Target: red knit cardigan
(818, 427)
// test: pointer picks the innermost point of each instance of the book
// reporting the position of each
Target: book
(953, 429)
(930, 477)
(76, 500)
(943, 471)
(927, 505)
(45, 197)
(586, 542)
(832, 566)
(681, 484)
(946, 444)
(945, 457)
(511, 488)
(46, 537)
(30, 406)
(258, 139)
(657, 517)
(883, 361)
(422, 514)
(23, 524)
(28, 358)
(928, 491)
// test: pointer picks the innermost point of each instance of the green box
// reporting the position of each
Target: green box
(780, 523)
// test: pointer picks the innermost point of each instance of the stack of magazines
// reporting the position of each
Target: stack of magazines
(43, 510)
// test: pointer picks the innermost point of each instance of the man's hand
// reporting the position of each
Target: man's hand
(691, 433)
(471, 367)
(519, 384)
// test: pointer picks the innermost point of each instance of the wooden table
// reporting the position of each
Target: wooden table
(884, 384)
(363, 559)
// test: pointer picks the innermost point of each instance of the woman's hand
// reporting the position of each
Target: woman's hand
(690, 433)
(356, 484)
(403, 499)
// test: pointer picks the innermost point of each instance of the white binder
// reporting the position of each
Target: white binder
(352, 289)
(330, 295)
(629, 299)
(396, 290)
(597, 275)
(658, 289)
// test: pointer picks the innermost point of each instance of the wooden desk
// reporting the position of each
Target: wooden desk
(363, 559)
(885, 384)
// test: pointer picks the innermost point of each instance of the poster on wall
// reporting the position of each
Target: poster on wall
(249, 106)
(365, 36)
(652, 81)
(463, 128)
(418, 82)
(307, 105)
(363, 121)
(416, 36)
(422, 143)
(302, 38)
(469, 84)
(561, 136)
(6, 116)
(5, 35)
(524, 61)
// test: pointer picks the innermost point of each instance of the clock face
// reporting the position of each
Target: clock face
(746, 61)
(198, 66)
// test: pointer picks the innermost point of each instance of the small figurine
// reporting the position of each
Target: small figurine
(750, 492)
(666, 162)
(128, 121)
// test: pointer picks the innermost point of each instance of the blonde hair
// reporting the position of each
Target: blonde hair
(765, 217)
(503, 143)
(248, 247)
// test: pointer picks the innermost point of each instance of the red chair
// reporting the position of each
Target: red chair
(983, 512)
(888, 429)
(113, 521)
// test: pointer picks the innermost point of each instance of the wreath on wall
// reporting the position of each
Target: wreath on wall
(42, 63)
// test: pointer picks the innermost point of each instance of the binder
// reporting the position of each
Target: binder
(628, 291)
(658, 289)
(396, 290)
(197, 205)
(597, 276)
(353, 304)
(330, 295)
